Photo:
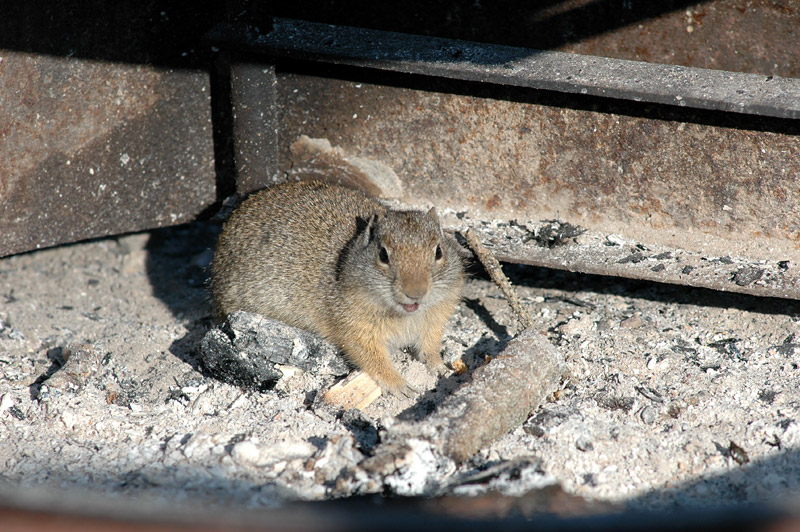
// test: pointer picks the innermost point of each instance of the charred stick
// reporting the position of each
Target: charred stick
(500, 397)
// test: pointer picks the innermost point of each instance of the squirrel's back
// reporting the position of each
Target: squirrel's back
(279, 250)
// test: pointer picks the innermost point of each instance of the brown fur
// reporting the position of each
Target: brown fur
(311, 255)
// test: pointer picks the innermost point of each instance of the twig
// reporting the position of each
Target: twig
(491, 264)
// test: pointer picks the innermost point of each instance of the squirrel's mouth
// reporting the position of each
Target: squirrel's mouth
(410, 308)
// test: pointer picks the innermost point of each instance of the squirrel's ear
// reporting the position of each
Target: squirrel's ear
(365, 229)
(361, 224)
(433, 215)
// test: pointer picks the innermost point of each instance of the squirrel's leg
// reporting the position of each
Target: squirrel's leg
(370, 354)
(431, 344)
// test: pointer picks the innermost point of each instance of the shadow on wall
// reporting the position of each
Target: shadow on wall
(165, 33)
(541, 25)
(169, 33)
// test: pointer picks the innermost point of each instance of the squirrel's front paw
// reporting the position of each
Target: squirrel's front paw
(435, 364)
(439, 369)
(397, 387)
(404, 391)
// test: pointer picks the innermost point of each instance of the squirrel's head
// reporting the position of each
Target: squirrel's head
(406, 260)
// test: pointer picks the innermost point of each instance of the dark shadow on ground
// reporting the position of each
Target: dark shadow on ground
(233, 499)
(546, 278)
(771, 481)
(178, 260)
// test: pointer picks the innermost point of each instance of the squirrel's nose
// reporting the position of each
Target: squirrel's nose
(416, 291)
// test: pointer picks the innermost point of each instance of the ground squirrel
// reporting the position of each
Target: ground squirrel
(329, 260)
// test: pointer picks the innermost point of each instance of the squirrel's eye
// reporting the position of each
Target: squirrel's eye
(438, 252)
(383, 256)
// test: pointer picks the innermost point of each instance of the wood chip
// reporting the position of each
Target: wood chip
(357, 390)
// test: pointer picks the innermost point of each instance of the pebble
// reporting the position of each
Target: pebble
(248, 452)
(584, 443)
(578, 325)
(68, 418)
(649, 415)
(5, 403)
(245, 453)
(615, 239)
(632, 322)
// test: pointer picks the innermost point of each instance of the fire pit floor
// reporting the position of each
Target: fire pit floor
(675, 396)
